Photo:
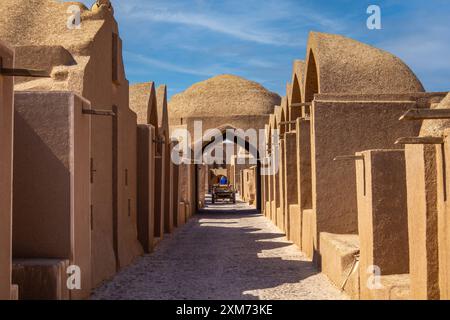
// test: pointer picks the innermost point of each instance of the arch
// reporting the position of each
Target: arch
(162, 112)
(278, 114)
(311, 78)
(271, 127)
(336, 64)
(296, 93)
(143, 103)
(284, 115)
(253, 150)
(289, 93)
(297, 81)
(152, 111)
(267, 137)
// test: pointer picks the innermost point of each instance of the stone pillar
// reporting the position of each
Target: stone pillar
(281, 185)
(252, 186)
(159, 191)
(6, 152)
(263, 194)
(175, 196)
(168, 190)
(382, 216)
(276, 191)
(421, 173)
(128, 244)
(266, 203)
(443, 170)
(292, 221)
(145, 187)
(304, 187)
(203, 175)
(242, 184)
(269, 187)
(52, 203)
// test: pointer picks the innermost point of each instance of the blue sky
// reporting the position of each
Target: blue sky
(180, 42)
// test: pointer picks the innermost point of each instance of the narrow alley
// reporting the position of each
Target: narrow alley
(226, 252)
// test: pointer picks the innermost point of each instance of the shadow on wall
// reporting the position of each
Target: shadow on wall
(211, 258)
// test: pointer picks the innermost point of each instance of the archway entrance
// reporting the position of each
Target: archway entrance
(238, 141)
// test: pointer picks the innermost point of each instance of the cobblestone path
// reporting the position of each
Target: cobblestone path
(227, 252)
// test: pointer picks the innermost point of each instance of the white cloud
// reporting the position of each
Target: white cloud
(255, 21)
(165, 65)
(219, 25)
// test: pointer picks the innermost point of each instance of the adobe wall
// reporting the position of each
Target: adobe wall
(291, 188)
(304, 187)
(145, 186)
(6, 156)
(423, 220)
(249, 185)
(382, 214)
(127, 238)
(343, 128)
(41, 279)
(444, 219)
(243, 122)
(242, 185)
(203, 177)
(175, 194)
(52, 181)
(160, 182)
(184, 179)
(281, 213)
(263, 195)
(168, 190)
(87, 61)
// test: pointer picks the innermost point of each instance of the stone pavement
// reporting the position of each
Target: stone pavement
(226, 252)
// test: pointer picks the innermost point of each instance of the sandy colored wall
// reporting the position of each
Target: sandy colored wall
(423, 221)
(444, 218)
(145, 187)
(203, 176)
(168, 189)
(281, 214)
(263, 195)
(237, 170)
(343, 128)
(291, 186)
(239, 122)
(6, 147)
(304, 187)
(382, 214)
(269, 194)
(175, 195)
(128, 245)
(51, 186)
(159, 192)
(84, 63)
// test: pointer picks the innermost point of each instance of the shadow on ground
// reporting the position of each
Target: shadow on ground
(223, 253)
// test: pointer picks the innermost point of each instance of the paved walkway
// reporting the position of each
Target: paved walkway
(227, 252)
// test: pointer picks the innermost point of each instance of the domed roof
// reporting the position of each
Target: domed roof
(44, 22)
(224, 95)
(336, 64)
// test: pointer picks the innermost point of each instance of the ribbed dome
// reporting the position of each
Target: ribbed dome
(224, 95)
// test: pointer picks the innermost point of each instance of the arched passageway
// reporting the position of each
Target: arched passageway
(229, 136)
